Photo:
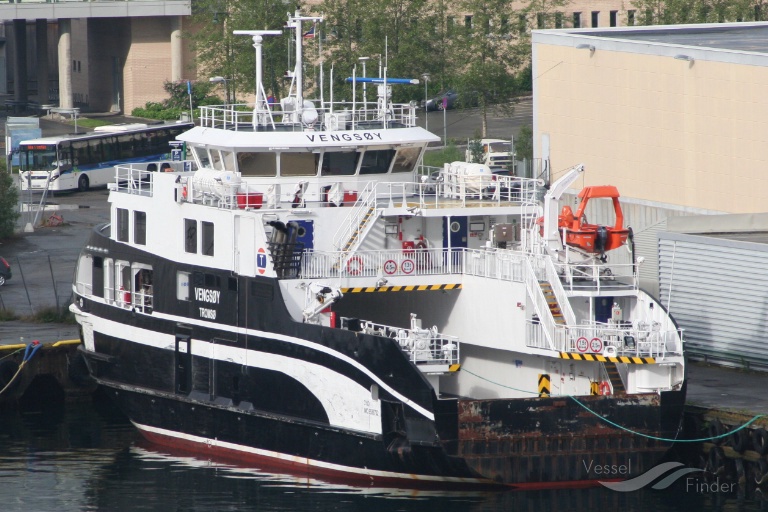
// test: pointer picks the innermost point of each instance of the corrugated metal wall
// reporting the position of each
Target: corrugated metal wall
(717, 290)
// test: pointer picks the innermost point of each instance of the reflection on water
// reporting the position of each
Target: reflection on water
(89, 458)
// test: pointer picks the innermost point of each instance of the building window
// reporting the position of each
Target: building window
(450, 24)
(468, 23)
(522, 24)
(140, 228)
(540, 23)
(190, 235)
(614, 14)
(122, 225)
(595, 18)
(558, 20)
(631, 18)
(504, 26)
(207, 238)
(577, 20)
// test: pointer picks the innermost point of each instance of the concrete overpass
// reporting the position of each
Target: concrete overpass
(106, 55)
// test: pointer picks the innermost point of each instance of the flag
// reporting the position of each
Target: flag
(309, 34)
(189, 88)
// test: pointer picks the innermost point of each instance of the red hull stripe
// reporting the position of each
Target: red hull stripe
(304, 466)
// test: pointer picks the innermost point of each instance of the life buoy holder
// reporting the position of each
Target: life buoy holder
(605, 388)
(355, 266)
(421, 244)
(184, 191)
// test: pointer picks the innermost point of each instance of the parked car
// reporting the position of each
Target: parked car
(447, 99)
(5, 271)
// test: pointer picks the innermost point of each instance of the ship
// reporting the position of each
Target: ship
(305, 296)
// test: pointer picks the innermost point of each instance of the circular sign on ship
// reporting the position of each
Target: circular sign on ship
(261, 260)
(582, 344)
(390, 267)
(407, 266)
(596, 345)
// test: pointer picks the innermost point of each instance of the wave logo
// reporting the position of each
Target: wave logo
(651, 475)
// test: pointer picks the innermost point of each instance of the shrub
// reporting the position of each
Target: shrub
(178, 101)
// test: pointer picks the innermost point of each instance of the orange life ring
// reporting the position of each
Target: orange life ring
(605, 388)
(421, 244)
(357, 268)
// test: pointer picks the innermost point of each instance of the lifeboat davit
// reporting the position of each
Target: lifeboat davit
(593, 238)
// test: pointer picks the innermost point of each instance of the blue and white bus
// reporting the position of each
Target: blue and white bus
(79, 162)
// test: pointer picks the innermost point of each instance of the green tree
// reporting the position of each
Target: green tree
(9, 196)
(221, 53)
(524, 143)
(675, 12)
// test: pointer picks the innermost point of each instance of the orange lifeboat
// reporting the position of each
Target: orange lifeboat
(593, 238)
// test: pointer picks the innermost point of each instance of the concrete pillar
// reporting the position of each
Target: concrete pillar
(65, 64)
(176, 49)
(20, 60)
(41, 41)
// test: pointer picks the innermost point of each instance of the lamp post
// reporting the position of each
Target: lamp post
(425, 76)
(221, 79)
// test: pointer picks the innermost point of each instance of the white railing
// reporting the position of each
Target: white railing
(501, 264)
(356, 225)
(551, 277)
(389, 263)
(641, 339)
(423, 346)
(599, 278)
(546, 320)
(138, 178)
(331, 117)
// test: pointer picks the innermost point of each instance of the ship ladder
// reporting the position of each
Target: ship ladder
(613, 375)
(554, 306)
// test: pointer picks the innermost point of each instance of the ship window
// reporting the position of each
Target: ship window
(190, 235)
(201, 156)
(216, 161)
(298, 164)
(140, 228)
(232, 284)
(122, 225)
(257, 164)
(377, 161)
(123, 283)
(142, 285)
(109, 281)
(98, 277)
(84, 278)
(207, 238)
(406, 159)
(339, 163)
(182, 285)
(228, 157)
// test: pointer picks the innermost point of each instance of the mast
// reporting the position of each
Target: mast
(261, 113)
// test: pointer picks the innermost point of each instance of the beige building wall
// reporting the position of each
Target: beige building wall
(660, 128)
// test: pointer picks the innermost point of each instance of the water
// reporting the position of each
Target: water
(88, 457)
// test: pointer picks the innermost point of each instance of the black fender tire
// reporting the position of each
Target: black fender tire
(82, 183)
(739, 440)
(716, 459)
(716, 429)
(761, 471)
(760, 441)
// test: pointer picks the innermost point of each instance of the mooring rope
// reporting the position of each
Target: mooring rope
(621, 427)
(28, 354)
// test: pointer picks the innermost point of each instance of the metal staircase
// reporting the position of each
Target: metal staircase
(551, 299)
(359, 221)
(617, 383)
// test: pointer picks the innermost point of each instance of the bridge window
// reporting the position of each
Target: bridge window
(257, 164)
(339, 163)
(377, 161)
(406, 159)
(298, 164)
(182, 285)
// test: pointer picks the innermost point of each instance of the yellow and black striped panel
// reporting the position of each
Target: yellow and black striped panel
(410, 288)
(604, 359)
(594, 388)
(544, 384)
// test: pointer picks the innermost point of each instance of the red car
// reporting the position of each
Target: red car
(5, 271)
